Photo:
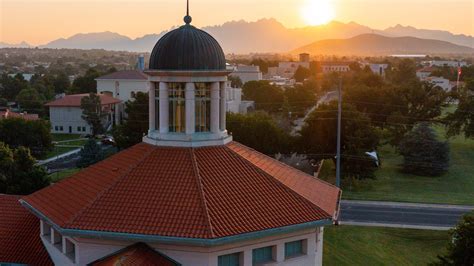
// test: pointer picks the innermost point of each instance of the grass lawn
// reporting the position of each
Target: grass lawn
(62, 137)
(351, 245)
(454, 187)
(58, 176)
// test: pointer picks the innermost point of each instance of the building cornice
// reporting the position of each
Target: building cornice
(177, 240)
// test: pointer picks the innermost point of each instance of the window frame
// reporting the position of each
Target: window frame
(272, 250)
(220, 259)
(295, 254)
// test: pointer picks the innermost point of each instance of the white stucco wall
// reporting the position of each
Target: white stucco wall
(67, 117)
(121, 89)
(89, 250)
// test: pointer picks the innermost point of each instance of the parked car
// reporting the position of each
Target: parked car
(107, 140)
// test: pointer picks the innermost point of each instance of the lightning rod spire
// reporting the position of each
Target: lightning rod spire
(187, 18)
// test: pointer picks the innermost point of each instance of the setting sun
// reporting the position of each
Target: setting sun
(317, 12)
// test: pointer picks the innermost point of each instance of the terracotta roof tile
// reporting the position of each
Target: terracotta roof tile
(20, 234)
(74, 100)
(317, 191)
(208, 192)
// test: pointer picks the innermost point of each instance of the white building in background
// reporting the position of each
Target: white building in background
(288, 69)
(246, 73)
(281, 81)
(448, 63)
(441, 82)
(378, 69)
(328, 67)
(65, 114)
(424, 73)
(123, 85)
(234, 103)
(26, 76)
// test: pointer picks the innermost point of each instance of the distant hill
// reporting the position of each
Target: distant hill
(459, 39)
(265, 35)
(374, 44)
(17, 45)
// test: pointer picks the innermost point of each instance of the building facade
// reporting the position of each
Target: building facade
(65, 114)
(246, 73)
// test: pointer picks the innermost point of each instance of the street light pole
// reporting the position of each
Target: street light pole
(338, 151)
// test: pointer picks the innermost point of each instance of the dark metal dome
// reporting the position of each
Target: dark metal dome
(187, 48)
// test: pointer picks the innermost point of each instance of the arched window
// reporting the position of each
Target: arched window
(203, 107)
(177, 113)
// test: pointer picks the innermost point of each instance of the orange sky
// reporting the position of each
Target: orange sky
(40, 21)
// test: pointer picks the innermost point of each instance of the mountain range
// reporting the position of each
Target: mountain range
(374, 44)
(265, 35)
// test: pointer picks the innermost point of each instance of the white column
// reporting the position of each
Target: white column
(215, 109)
(190, 106)
(117, 113)
(222, 107)
(151, 107)
(319, 246)
(164, 108)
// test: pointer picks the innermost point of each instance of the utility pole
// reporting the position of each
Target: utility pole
(338, 149)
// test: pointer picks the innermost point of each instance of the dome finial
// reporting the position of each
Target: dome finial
(187, 18)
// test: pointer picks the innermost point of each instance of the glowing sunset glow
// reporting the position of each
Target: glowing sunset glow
(317, 12)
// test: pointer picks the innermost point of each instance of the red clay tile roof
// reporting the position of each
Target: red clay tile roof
(208, 192)
(126, 74)
(20, 234)
(74, 100)
(137, 254)
(10, 114)
(319, 192)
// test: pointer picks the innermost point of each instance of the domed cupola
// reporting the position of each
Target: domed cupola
(187, 48)
(187, 77)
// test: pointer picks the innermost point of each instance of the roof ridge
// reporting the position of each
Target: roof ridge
(101, 193)
(278, 182)
(201, 192)
(282, 164)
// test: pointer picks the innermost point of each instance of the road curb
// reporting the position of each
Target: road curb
(408, 204)
(404, 226)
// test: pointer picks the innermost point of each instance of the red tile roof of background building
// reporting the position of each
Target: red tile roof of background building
(20, 234)
(126, 74)
(74, 100)
(10, 114)
(208, 192)
(138, 254)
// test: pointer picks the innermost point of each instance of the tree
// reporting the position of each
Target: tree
(462, 120)
(31, 101)
(90, 154)
(92, 113)
(301, 74)
(460, 249)
(34, 135)
(11, 86)
(422, 153)
(136, 125)
(86, 83)
(259, 131)
(267, 97)
(19, 173)
(300, 97)
(319, 135)
(235, 82)
(61, 83)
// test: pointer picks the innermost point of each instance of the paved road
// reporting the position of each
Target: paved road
(406, 215)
